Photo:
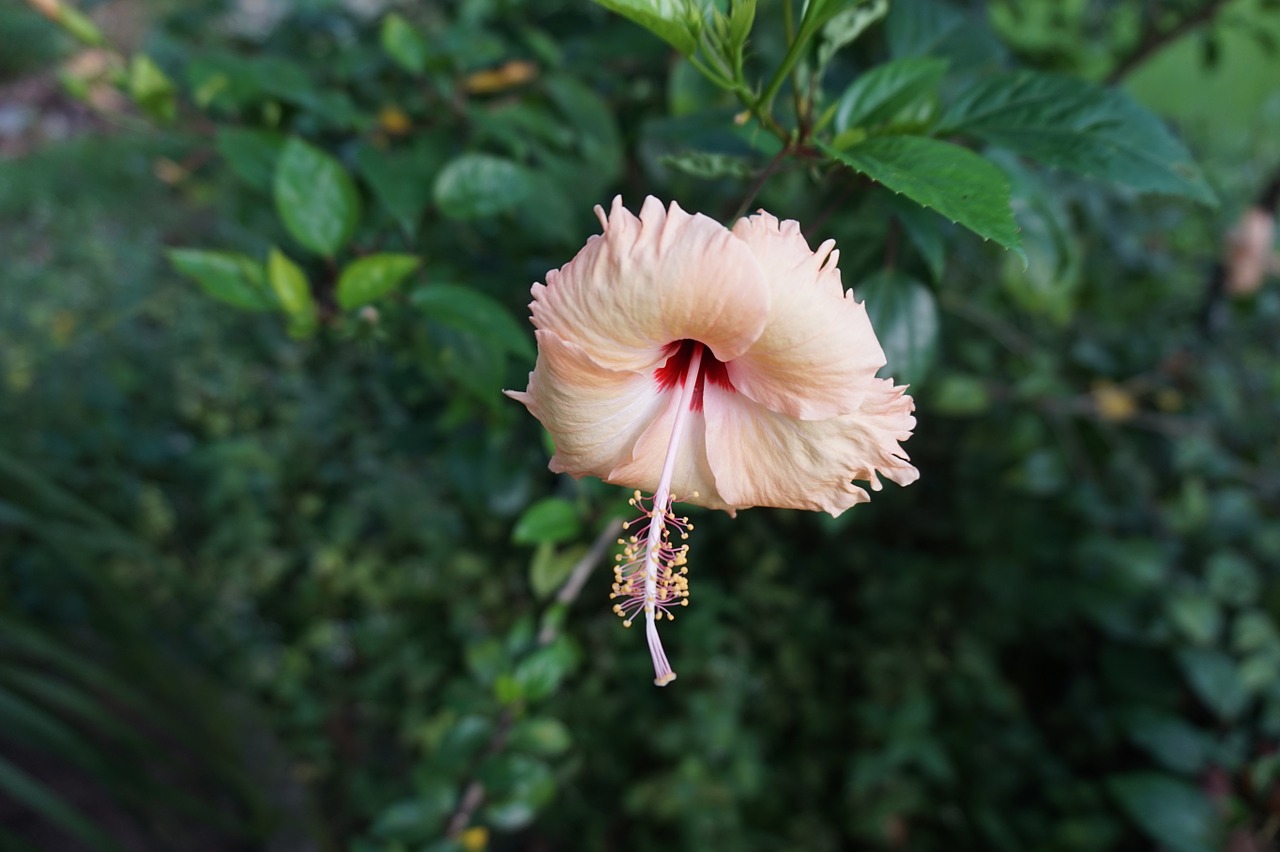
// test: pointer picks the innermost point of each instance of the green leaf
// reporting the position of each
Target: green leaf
(472, 311)
(544, 737)
(1213, 677)
(538, 674)
(150, 89)
(549, 521)
(21, 788)
(926, 230)
(551, 567)
(1196, 615)
(401, 179)
(252, 154)
(293, 291)
(1173, 813)
(1174, 742)
(677, 22)
(1232, 578)
(315, 197)
(595, 131)
(404, 44)
(370, 278)
(233, 278)
(847, 26)
(1079, 126)
(709, 166)
(475, 186)
(417, 819)
(918, 27)
(904, 314)
(877, 95)
(966, 188)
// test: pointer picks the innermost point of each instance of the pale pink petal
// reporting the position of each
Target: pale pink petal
(692, 473)
(595, 415)
(762, 458)
(818, 354)
(650, 280)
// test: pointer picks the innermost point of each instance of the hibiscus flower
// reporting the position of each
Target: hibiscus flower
(723, 368)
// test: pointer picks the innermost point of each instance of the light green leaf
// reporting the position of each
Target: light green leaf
(1172, 812)
(233, 278)
(877, 95)
(404, 44)
(289, 283)
(677, 22)
(370, 278)
(549, 521)
(472, 311)
(551, 567)
(252, 154)
(904, 315)
(315, 197)
(151, 89)
(293, 291)
(1196, 615)
(704, 164)
(846, 26)
(475, 186)
(1079, 126)
(966, 188)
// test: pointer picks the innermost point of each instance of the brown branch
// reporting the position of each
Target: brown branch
(759, 183)
(1153, 39)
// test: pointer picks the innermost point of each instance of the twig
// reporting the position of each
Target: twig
(578, 577)
(759, 182)
(1153, 39)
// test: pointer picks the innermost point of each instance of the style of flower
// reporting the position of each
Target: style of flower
(724, 368)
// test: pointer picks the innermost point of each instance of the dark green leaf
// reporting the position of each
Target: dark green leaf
(549, 521)
(917, 27)
(1079, 126)
(315, 197)
(21, 788)
(677, 22)
(236, 279)
(1173, 813)
(877, 95)
(252, 154)
(370, 278)
(401, 179)
(904, 315)
(476, 313)
(474, 186)
(1175, 743)
(847, 26)
(959, 184)
(1213, 677)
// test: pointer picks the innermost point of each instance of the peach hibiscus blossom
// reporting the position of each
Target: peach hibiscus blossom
(724, 368)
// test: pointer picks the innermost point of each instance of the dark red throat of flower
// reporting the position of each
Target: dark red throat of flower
(679, 356)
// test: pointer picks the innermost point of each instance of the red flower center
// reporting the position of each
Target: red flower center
(679, 356)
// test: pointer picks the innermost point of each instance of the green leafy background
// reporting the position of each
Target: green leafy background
(281, 567)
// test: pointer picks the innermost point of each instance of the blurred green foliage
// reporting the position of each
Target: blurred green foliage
(254, 438)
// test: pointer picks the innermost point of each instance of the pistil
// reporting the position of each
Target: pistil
(661, 565)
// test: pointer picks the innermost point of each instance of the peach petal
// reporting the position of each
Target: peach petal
(763, 458)
(649, 280)
(595, 415)
(818, 353)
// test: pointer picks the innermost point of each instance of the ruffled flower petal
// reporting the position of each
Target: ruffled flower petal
(818, 354)
(762, 458)
(595, 415)
(692, 472)
(649, 280)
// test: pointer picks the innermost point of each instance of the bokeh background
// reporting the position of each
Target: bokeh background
(294, 578)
